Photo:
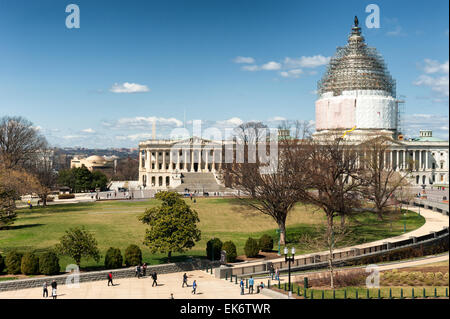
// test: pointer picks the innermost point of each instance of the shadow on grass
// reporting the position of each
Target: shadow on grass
(14, 227)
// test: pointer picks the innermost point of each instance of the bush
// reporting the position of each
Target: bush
(13, 261)
(266, 243)
(29, 264)
(133, 256)
(50, 198)
(230, 248)
(213, 246)
(66, 196)
(49, 263)
(429, 278)
(2, 263)
(113, 258)
(251, 248)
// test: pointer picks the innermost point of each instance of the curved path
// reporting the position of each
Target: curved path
(434, 221)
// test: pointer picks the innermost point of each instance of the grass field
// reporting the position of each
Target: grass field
(115, 223)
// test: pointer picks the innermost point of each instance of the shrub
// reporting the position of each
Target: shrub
(133, 256)
(49, 263)
(50, 198)
(438, 279)
(113, 258)
(446, 279)
(13, 261)
(29, 264)
(266, 243)
(230, 248)
(66, 196)
(429, 278)
(251, 248)
(2, 263)
(213, 248)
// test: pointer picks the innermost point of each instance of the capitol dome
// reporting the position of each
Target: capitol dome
(356, 67)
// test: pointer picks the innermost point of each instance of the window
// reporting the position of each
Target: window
(442, 165)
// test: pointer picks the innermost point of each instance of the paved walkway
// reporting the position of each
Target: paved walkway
(133, 288)
(434, 221)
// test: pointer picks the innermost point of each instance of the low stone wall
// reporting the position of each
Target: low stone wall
(196, 264)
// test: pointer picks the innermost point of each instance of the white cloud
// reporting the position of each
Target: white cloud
(134, 137)
(438, 123)
(243, 59)
(276, 119)
(232, 122)
(295, 73)
(71, 137)
(398, 31)
(270, 66)
(141, 122)
(129, 88)
(436, 78)
(88, 130)
(250, 68)
(306, 61)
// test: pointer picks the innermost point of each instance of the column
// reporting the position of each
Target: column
(391, 160)
(420, 160)
(414, 160)
(148, 165)
(140, 159)
(206, 159)
(397, 168)
(213, 169)
(426, 160)
(185, 160)
(164, 161)
(170, 160)
(156, 161)
(178, 160)
(404, 159)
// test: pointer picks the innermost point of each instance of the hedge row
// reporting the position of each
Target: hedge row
(30, 264)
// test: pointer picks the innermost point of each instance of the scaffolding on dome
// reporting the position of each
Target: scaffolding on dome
(356, 67)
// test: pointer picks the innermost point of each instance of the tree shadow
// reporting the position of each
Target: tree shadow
(13, 227)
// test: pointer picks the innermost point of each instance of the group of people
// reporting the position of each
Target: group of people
(194, 284)
(251, 283)
(274, 272)
(141, 271)
(54, 285)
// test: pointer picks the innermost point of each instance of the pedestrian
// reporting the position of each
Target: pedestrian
(138, 271)
(277, 274)
(155, 277)
(110, 279)
(171, 296)
(194, 287)
(45, 290)
(54, 286)
(185, 277)
(250, 285)
(144, 269)
(241, 285)
(271, 270)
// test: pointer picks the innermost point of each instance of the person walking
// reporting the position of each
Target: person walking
(277, 274)
(144, 269)
(241, 285)
(185, 277)
(194, 287)
(250, 285)
(139, 271)
(110, 279)
(136, 271)
(155, 277)
(45, 290)
(54, 286)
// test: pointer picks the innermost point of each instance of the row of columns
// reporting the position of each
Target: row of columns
(188, 157)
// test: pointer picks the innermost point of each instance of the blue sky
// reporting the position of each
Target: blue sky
(222, 62)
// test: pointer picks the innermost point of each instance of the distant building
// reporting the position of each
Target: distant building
(104, 164)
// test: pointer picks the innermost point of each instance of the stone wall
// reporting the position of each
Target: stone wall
(196, 264)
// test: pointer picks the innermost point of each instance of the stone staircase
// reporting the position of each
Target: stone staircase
(200, 182)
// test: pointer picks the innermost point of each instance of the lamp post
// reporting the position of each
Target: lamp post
(404, 222)
(289, 260)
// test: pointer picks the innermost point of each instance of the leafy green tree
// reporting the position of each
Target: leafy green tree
(2, 264)
(113, 258)
(133, 255)
(266, 243)
(173, 225)
(29, 264)
(213, 247)
(230, 249)
(99, 180)
(251, 247)
(49, 263)
(78, 243)
(13, 261)
(83, 179)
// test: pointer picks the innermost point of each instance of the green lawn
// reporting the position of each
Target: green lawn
(115, 223)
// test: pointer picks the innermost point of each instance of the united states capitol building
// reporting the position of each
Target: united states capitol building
(356, 94)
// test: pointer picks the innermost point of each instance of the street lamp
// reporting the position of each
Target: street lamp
(289, 260)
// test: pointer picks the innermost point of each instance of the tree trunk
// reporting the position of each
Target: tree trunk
(282, 228)
(330, 238)
(342, 220)
(169, 255)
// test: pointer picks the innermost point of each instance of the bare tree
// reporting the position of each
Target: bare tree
(382, 177)
(251, 132)
(334, 183)
(19, 142)
(127, 170)
(45, 173)
(274, 193)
